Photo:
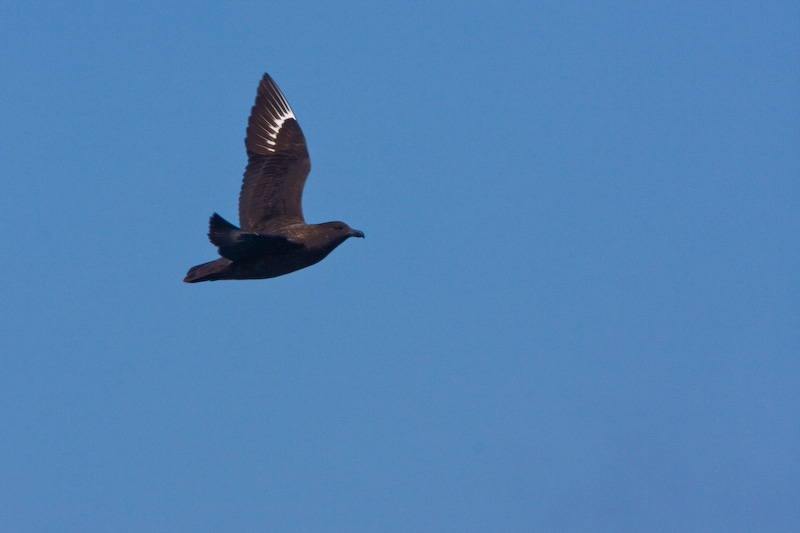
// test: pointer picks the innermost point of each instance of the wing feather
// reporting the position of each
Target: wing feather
(277, 164)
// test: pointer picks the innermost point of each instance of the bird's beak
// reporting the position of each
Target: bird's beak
(356, 233)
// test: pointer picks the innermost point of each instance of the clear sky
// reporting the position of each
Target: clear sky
(577, 306)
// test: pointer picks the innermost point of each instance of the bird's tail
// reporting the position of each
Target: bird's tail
(211, 271)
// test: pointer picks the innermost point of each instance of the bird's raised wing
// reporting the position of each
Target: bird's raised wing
(277, 164)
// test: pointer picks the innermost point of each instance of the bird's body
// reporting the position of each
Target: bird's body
(273, 238)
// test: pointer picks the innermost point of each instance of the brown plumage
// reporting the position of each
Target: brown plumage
(274, 238)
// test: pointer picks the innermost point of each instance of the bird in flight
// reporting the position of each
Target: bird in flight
(273, 238)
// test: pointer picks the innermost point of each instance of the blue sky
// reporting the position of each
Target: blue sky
(576, 307)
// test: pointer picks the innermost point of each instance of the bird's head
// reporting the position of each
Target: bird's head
(327, 236)
(339, 230)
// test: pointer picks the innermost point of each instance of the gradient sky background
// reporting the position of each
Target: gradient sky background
(577, 306)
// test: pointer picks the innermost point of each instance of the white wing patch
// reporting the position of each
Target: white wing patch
(269, 126)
